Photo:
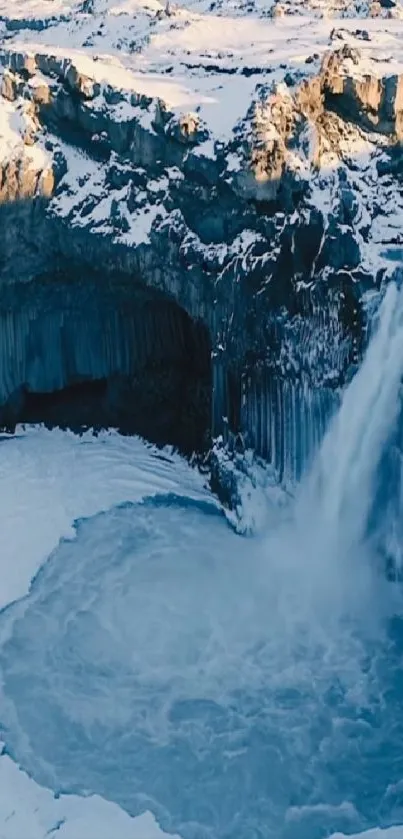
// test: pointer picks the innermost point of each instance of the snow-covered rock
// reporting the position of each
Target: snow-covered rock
(241, 159)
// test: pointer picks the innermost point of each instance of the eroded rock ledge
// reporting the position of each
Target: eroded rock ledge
(259, 240)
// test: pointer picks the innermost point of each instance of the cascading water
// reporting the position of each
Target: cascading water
(341, 486)
(239, 689)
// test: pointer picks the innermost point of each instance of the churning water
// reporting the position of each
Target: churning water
(238, 689)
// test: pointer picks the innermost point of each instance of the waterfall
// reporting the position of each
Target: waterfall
(340, 489)
(286, 420)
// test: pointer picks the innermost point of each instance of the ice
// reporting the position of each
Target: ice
(50, 478)
(206, 683)
(395, 832)
(28, 811)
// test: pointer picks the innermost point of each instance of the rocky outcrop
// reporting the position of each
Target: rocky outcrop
(371, 101)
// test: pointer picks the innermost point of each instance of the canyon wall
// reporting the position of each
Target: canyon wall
(143, 250)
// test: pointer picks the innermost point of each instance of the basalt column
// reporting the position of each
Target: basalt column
(78, 352)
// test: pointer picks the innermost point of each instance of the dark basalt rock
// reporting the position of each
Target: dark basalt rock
(340, 249)
(79, 353)
(89, 355)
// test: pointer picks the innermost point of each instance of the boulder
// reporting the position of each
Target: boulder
(9, 87)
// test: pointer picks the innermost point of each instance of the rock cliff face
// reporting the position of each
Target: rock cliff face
(195, 210)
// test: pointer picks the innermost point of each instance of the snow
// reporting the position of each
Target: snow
(85, 186)
(377, 833)
(28, 811)
(41, 9)
(207, 55)
(14, 123)
(194, 61)
(73, 477)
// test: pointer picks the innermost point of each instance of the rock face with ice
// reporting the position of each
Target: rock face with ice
(187, 183)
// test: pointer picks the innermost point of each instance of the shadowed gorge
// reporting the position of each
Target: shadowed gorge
(79, 352)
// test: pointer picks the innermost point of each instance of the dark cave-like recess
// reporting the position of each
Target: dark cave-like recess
(84, 355)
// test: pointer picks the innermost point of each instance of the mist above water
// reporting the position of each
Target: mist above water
(340, 489)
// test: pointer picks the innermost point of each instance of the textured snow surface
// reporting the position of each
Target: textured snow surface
(133, 48)
(41, 9)
(28, 811)
(207, 60)
(197, 63)
(14, 123)
(390, 833)
(64, 477)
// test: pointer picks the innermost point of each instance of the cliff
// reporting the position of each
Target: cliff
(196, 206)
